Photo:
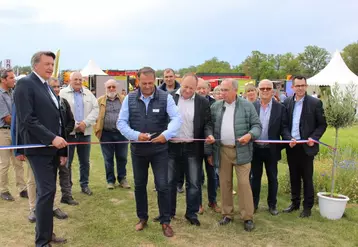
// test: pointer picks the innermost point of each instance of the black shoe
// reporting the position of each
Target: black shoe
(225, 221)
(87, 191)
(32, 216)
(180, 189)
(249, 225)
(7, 196)
(59, 214)
(291, 208)
(193, 221)
(273, 211)
(305, 213)
(69, 201)
(24, 194)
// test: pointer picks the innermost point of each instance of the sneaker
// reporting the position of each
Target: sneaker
(124, 184)
(110, 186)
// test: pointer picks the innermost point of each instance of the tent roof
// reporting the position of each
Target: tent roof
(335, 71)
(92, 69)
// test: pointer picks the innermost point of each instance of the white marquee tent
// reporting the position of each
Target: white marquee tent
(92, 69)
(335, 71)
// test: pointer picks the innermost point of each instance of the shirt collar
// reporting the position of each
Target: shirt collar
(301, 100)
(268, 105)
(41, 79)
(179, 93)
(81, 90)
(149, 97)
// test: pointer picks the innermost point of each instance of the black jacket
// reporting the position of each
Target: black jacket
(203, 126)
(38, 116)
(68, 119)
(312, 123)
(163, 86)
(278, 127)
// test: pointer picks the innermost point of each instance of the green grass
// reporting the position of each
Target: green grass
(108, 217)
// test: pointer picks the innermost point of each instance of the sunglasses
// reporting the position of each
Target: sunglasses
(265, 89)
(109, 87)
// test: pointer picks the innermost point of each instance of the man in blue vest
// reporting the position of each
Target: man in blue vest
(144, 118)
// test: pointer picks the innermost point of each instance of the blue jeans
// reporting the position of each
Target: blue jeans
(212, 182)
(183, 155)
(83, 152)
(119, 150)
(159, 163)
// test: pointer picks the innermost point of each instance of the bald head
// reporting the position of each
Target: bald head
(266, 90)
(76, 81)
(111, 88)
(266, 82)
(110, 82)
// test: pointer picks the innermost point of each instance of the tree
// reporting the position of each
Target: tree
(350, 57)
(313, 59)
(183, 71)
(22, 69)
(289, 65)
(259, 66)
(214, 65)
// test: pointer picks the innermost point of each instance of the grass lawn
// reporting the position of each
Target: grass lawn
(108, 217)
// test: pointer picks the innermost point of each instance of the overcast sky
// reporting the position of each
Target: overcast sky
(121, 34)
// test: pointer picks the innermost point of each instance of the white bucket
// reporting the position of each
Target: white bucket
(331, 208)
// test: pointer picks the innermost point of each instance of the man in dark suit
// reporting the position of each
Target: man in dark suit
(273, 118)
(306, 120)
(40, 122)
(186, 153)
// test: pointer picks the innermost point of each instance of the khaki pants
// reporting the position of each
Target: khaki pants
(31, 188)
(7, 157)
(227, 163)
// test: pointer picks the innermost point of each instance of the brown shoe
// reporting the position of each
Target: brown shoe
(167, 230)
(215, 207)
(201, 209)
(141, 225)
(58, 240)
(124, 184)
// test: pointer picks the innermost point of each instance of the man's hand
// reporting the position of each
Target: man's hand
(210, 139)
(143, 137)
(59, 142)
(292, 143)
(159, 139)
(210, 160)
(63, 161)
(243, 140)
(7, 119)
(310, 142)
(81, 127)
(21, 157)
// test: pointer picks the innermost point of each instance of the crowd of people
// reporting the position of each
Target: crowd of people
(175, 128)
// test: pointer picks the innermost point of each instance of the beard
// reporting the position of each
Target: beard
(111, 95)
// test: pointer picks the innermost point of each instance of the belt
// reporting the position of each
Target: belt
(5, 127)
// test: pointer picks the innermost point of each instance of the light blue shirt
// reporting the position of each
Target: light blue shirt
(297, 110)
(131, 134)
(265, 119)
(79, 107)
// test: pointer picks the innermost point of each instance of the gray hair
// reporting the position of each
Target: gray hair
(4, 73)
(110, 81)
(75, 72)
(266, 80)
(235, 83)
(37, 56)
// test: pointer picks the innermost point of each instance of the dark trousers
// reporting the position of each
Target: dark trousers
(45, 171)
(301, 167)
(119, 150)
(212, 182)
(183, 155)
(65, 181)
(83, 152)
(262, 156)
(181, 177)
(159, 163)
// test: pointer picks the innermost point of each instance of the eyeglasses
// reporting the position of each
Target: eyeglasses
(265, 89)
(109, 87)
(299, 86)
(55, 86)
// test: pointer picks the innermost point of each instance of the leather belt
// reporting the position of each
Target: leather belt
(5, 127)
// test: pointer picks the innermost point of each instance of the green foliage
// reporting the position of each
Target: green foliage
(214, 65)
(183, 71)
(350, 57)
(313, 59)
(340, 106)
(22, 69)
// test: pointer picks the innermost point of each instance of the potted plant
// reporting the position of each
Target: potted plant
(340, 110)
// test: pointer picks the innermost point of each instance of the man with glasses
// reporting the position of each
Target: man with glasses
(6, 156)
(273, 118)
(306, 120)
(106, 130)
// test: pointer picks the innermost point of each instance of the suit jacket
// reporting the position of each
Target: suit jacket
(203, 126)
(312, 122)
(277, 128)
(67, 115)
(38, 116)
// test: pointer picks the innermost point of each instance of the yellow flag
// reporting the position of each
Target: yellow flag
(57, 62)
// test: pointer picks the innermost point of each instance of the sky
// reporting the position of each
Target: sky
(121, 34)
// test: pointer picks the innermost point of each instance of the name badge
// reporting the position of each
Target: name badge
(155, 110)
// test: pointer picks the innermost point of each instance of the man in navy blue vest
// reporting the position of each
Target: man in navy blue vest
(144, 118)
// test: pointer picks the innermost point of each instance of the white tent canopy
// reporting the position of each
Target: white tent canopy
(92, 69)
(335, 71)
